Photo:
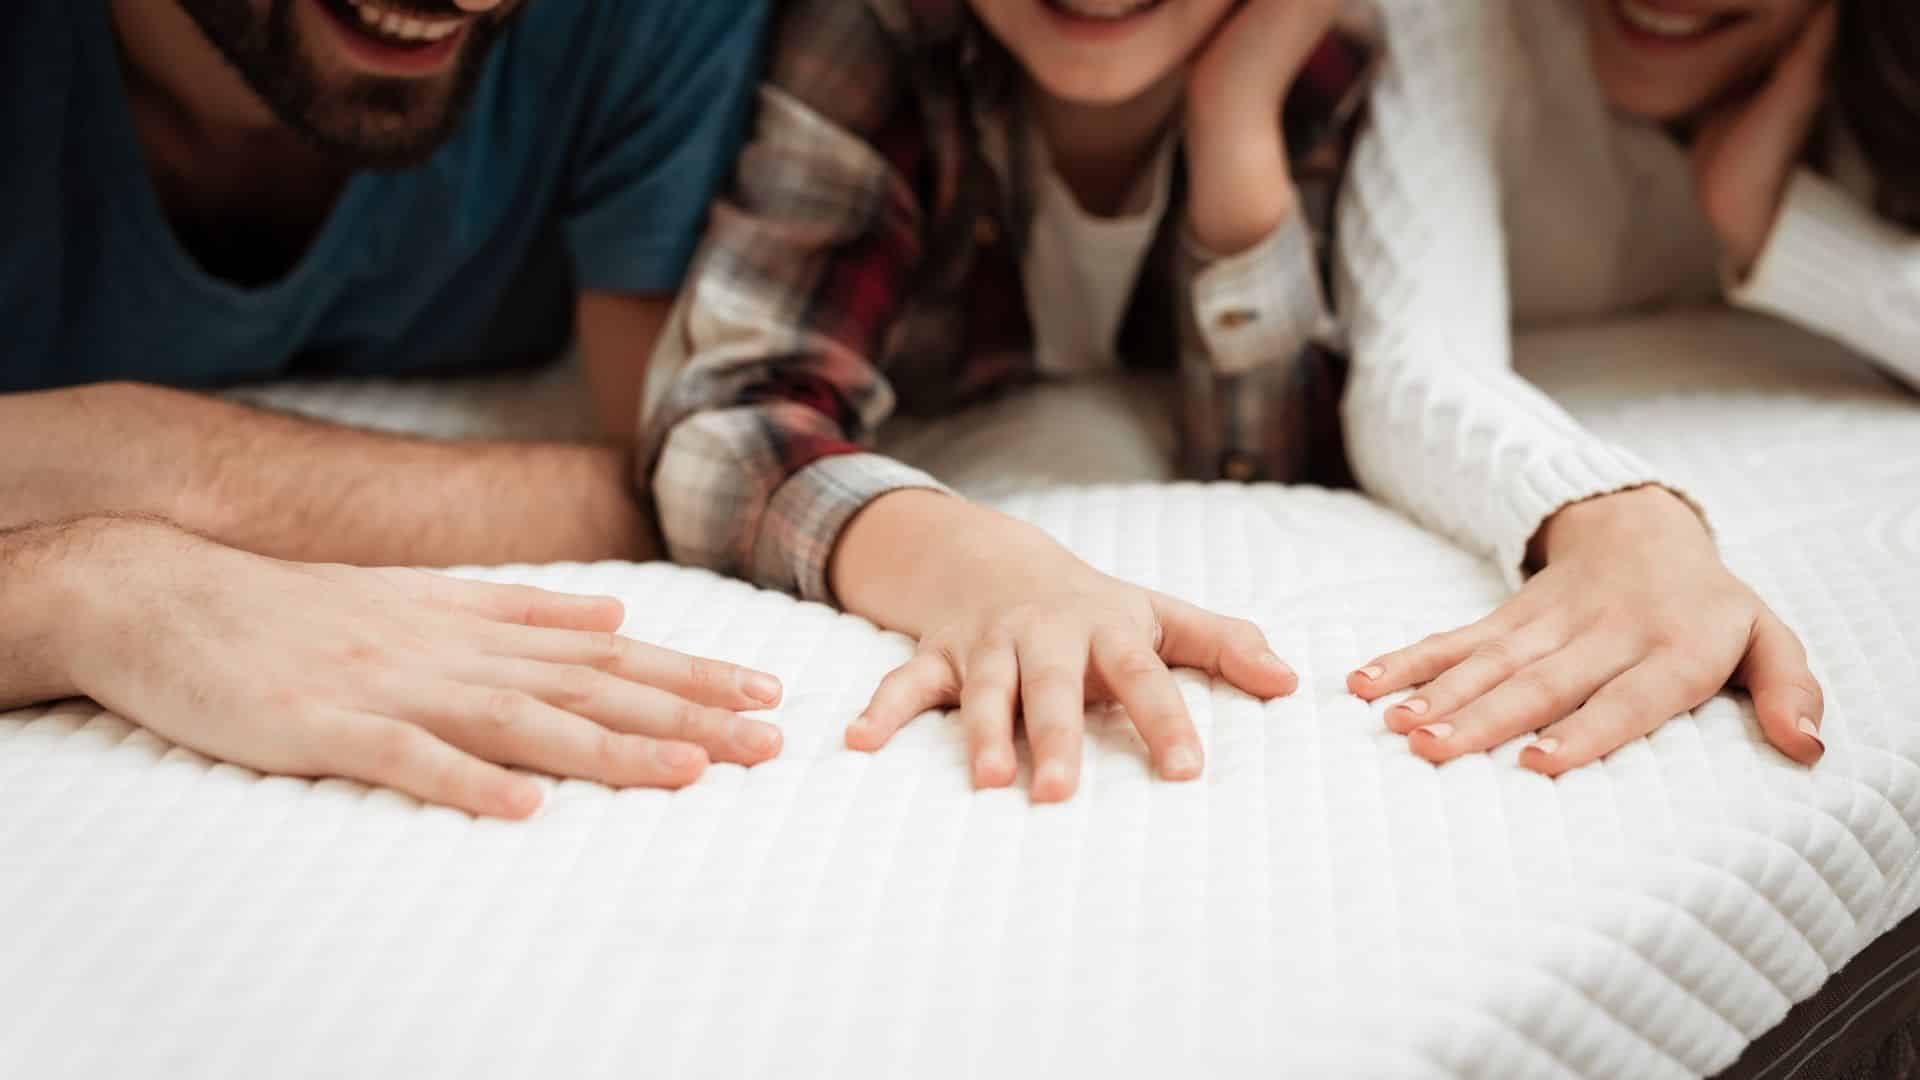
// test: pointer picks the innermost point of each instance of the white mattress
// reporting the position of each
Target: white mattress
(1322, 904)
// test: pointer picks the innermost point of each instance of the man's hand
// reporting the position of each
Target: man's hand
(394, 677)
(1009, 621)
(1745, 154)
(1634, 621)
(1242, 189)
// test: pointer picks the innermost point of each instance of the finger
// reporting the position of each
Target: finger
(1646, 696)
(636, 709)
(1786, 696)
(708, 682)
(1542, 693)
(1053, 685)
(519, 604)
(515, 728)
(987, 697)
(1138, 679)
(921, 684)
(1231, 649)
(1783, 113)
(1491, 663)
(1421, 662)
(380, 751)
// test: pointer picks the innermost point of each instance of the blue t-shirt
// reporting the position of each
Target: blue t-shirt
(586, 160)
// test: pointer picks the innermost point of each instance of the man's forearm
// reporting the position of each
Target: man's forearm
(300, 489)
(30, 560)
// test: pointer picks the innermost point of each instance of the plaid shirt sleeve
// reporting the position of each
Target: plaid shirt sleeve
(1257, 365)
(754, 450)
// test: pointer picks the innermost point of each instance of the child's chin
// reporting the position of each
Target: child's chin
(1096, 87)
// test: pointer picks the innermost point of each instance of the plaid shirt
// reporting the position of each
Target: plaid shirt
(868, 258)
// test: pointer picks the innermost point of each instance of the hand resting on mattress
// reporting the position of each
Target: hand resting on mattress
(396, 677)
(1006, 616)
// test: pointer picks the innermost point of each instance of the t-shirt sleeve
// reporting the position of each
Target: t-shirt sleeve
(675, 104)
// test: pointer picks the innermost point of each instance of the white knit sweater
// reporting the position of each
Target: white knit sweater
(1493, 186)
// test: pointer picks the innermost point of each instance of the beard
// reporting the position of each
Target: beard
(366, 122)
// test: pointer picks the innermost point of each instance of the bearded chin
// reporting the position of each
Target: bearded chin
(365, 122)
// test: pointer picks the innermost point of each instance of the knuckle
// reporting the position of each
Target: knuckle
(605, 650)
(1496, 652)
(393, 751)
(1051, 681)
(577, 688)
(1133, 665)
(1535, 691)
(709, 678)
(503, 711)
(610, 753)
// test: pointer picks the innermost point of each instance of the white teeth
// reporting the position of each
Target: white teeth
(392, 24)
(1103, 9)
(1652, 20)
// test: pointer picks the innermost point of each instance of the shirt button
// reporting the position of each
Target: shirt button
(1236, 319)
(1240, 468)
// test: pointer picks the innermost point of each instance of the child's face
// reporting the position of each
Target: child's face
(1102, 52)
(1670, 59)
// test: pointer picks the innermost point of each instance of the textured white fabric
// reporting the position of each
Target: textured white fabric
(1322, 904)
(1497, 187)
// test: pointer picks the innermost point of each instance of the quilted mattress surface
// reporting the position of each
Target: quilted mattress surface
(1321, 904)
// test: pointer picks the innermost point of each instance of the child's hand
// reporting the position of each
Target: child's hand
(1018, 623)
(1242, 189)
(1744, 155)
(1634, 621)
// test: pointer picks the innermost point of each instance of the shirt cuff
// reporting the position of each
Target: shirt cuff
(1262, 306)
(1553, 483)
(1827, 263)
(804, 519)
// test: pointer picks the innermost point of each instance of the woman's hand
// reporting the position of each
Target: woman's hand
(1634, 621)
(1242, 189)
(395, 677)
(1016, 623)
(1744, 155)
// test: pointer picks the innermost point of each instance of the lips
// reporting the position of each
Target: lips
(393, 28)
(1103, 10)
(1652, 20)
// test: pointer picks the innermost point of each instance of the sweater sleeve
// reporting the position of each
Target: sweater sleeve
(1834, 268)
(1438, 424)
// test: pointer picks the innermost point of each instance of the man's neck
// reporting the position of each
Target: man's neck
(222, 163)
(1101, 150)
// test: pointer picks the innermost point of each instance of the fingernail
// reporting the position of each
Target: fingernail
(1812, 731)
(1415, 706)
(1051, 778)
(860, 723)
(1275, 664)
(992, 765)
(1439, 731)
(1548, 746)
(760, 686)
(1183, 763)
(760, 738)
(1372, 672)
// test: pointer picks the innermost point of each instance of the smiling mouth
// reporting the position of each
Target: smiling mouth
(393, 29)
(1102, 10)
(1647, 20)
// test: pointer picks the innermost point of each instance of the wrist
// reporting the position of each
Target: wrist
(1607, 524)
(1240, 186)
(913, 558)
(58, 603)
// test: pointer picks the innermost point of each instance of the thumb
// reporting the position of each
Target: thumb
(1786, 696)
(1232, 649)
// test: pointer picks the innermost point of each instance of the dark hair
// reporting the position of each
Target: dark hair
(1876, 85)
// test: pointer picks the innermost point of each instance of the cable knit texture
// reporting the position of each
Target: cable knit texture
(1495, 186)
